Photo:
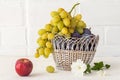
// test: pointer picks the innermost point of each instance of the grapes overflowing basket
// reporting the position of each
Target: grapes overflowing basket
(67, 51)
(67, 37)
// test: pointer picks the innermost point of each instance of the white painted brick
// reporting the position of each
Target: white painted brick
(108, 51)
(39, 10)
(112, 36)
(13, 51)
(33, 36)
(11, 12)
(31, 51)
(111, 42)
(0, 36)
(12, 36)
(99, 31)
(101, 12)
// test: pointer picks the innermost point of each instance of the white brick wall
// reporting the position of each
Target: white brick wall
(11, 12)
(21, 19)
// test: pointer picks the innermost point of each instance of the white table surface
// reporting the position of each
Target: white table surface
(7, 70)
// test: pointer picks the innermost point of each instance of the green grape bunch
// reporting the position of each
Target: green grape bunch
(62, 23)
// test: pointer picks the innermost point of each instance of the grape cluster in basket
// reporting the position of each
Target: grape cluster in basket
(63, 23)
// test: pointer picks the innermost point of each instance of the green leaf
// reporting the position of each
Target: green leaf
(88, 70)
(107, 66)
(98, 66)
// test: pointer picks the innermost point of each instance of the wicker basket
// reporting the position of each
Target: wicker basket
(67, 51)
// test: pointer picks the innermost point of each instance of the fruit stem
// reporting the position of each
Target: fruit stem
(73, 7)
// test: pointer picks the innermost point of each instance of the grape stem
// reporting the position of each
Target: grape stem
(73, 7)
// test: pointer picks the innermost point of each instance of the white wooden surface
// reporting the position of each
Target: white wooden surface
(7, 71)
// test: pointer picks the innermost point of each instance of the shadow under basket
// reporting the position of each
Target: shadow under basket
(69, 50)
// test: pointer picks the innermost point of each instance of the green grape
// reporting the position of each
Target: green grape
(60, 33)
(45, 56)
(41, 32)
(44, 36)
(38, 39)
(78, 16)
(37, 50)
(41, 51)
(60, 10)
(66, 22)
(56, 19)
(48, 27)
(36, 55)
(73, 22)
(54, 13)
(48, 44)
(64, 30)
(68, 35)
(60, 25)
(80, 30)
(63, 14)
(42, 43)
(71, 30)
(53, 23)
(81, 24)
(77, 21)
(47, 51)
(55, 30)
(50, 36)
(50, 69)
(52, 49)
(84, 26)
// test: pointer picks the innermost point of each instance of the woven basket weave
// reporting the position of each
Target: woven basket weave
(67, 51)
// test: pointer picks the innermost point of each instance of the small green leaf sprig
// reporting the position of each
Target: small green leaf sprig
(97, 66)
